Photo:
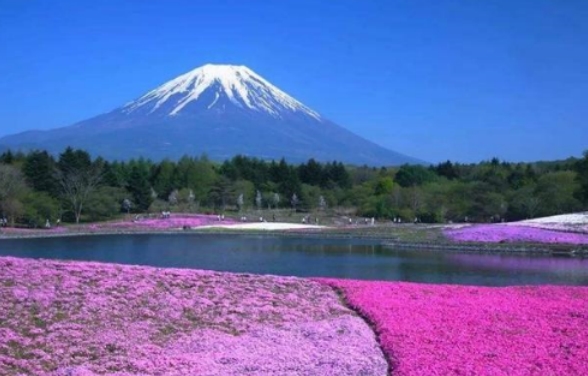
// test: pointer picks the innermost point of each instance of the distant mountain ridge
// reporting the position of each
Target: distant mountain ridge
(220, 110)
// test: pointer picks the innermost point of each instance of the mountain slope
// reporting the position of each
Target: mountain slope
(220, 110)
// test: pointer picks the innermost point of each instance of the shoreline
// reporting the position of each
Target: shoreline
(373, 233)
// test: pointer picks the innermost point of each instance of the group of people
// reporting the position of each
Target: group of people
(244, 219)
(4, 223)
(261, 219)
(165, 214)
(307, 219)
(366, 221)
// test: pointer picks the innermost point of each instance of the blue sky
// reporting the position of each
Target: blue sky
(459, 80)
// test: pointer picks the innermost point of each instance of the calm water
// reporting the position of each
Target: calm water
(345, 258)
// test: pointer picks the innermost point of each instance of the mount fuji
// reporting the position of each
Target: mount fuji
(220, 110)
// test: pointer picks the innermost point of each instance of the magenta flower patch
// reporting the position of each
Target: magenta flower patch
(466, 330)
(175, 221)
(496, 233)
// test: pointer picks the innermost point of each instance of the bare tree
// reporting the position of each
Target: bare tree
(172, 199)
(258, 200)
(416, 199)
(396, 196)
(322, 203)
(294, 201)
(276, 199)
(77, 184)
(191, 199)
(11, 185)
(127, 205)
(531, 205)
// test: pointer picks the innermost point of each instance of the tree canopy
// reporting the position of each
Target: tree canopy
(76, 187)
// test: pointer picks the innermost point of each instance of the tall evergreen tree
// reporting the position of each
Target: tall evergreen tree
(39, 171)
(164, 178)
(447, 169)
(311, 172)
(7, 157)
(71, 159)
(140, 188)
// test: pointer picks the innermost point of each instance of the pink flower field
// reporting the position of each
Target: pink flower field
(466, 330)
(176, 221)
(496, 233)
(78, 318)
(82, 318)
(156, 224)
(24, 231)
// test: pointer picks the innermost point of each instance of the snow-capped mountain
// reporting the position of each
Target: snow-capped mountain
(220, 110)
(237, 84)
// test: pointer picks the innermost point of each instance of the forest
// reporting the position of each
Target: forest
(74, 187)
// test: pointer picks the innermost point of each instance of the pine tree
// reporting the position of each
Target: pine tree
(139, 187)
(7, 157)
(39, 171)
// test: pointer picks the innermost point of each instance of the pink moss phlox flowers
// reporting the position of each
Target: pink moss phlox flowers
(467, 330)
(26, 231)
(83, 318)
(174, 222)
(497, 233)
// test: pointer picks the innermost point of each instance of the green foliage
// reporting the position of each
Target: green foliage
(310, 195)
(581, 168)
(556, 191)
(72, 159)
(413, 175)
(289, 182)
(38, 208)
(358, 195)
(164, 178)
(311, 173)
(447, 170)
(77, 177)
(523, 203)
(363, 174)
(39, 171)
(222, 192)
(244, 168)
(7, 157)
(104, 203)
(384, 186)
(12, 187)
(488, 191)
(139, 187)
(244, 187)
(378, 207)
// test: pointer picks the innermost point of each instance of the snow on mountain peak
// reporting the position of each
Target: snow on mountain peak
(239, 84)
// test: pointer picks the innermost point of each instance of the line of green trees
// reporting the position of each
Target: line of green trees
(36, 187)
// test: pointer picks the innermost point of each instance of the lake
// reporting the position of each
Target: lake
(305, 257)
